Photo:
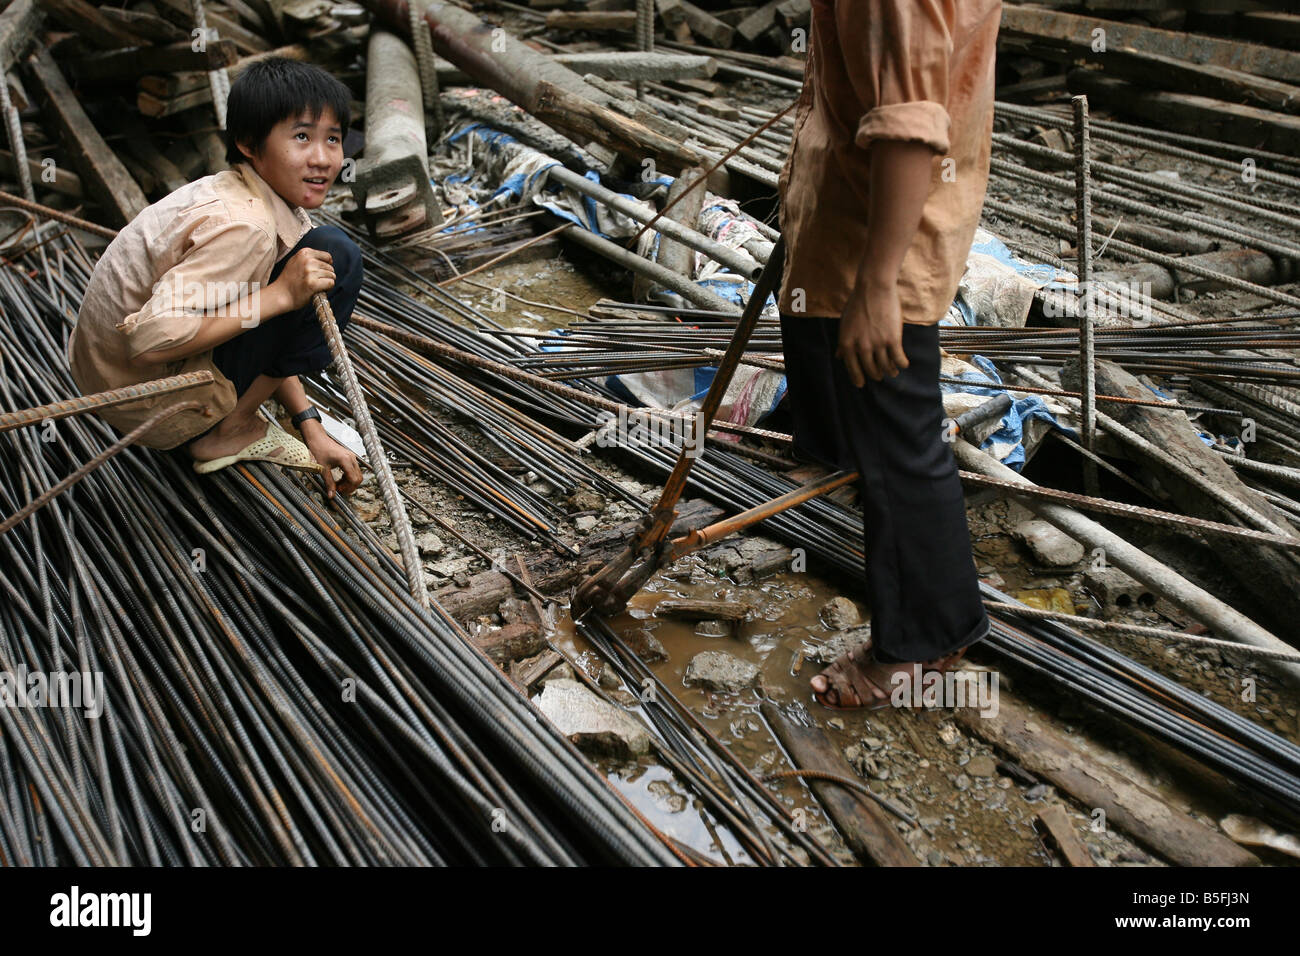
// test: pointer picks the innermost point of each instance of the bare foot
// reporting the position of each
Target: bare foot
(228, 438)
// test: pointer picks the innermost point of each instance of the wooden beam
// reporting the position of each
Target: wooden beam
(706, 25)
(64, 180)
(158, 106)
(18, 26)
(1198, 115)
(1079, 32)
(1168, 72)
(146, 25)
(102, 173)
(174, 57)
(166, 85)
(584, 20)
(636, 141)
(139, 143)
(91, 25)
(1057, 823)
(228, 28)
(1175, 836)
(211, 146)
(867, 829)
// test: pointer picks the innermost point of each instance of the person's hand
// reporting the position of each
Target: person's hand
(332, 455)
(871, 333)
(308, 272)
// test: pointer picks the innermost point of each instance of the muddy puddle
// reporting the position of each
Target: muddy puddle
(968, 812)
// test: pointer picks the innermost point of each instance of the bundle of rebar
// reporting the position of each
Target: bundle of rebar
(251, 684)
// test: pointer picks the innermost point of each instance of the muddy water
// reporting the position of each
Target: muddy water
(919, 760)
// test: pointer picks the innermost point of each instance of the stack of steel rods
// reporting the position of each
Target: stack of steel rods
(595, 349)
(1261, 761)
(833, 533)
(270, 693)
(745, 808)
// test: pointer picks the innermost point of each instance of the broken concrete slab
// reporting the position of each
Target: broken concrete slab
(842, 643)
(840, 613)
(595, 726)
(1049, 545)
(714, 670)
(1117, 590)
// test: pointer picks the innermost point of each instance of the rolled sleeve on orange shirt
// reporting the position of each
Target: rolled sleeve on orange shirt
(221, 267)
(920, 121)
(897, 54)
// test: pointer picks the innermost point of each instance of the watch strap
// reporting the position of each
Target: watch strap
(309, 412)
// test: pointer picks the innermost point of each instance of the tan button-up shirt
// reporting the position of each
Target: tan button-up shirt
(203, 247)
(915, 70)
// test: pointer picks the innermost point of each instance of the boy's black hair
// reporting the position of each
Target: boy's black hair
(274, 89)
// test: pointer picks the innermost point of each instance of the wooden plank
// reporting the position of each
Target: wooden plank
(527, 673)
(146, 25)
(164, 86)
(64, 180)
(671, 12)
(1174, 73)
(569, 112)
(587, 20)
(91, 25)
(158, 106)
(699, 609)
(1175, 836)
(228, 28)
(171, 58)
(139, 143)
(758, 22)
(103, 174)
(1188, 113)
(868, 830)
(1078, 32)
(18, 26)
(1057, 822)
(707, 26)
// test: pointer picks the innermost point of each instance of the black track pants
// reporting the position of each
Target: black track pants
(921, 580)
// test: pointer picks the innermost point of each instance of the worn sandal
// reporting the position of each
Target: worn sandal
(849, 673)
(276, 446)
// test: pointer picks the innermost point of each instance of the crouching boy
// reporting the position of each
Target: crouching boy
(220, 274)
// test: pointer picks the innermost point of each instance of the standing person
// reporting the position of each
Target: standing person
(880, 197)
(219, 275)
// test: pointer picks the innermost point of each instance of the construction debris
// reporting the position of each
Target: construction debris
(506, 156)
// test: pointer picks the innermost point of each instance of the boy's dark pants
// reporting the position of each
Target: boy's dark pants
(293, 343)
(921, 579)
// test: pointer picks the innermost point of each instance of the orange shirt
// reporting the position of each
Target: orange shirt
(914, 70)
(204, 246)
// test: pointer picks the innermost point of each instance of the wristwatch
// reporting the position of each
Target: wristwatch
(309, 412)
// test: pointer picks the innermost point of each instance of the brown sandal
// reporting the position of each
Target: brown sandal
(849, 672)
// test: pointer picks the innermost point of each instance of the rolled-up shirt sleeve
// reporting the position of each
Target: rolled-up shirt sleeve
(223, 263)
(897, 55)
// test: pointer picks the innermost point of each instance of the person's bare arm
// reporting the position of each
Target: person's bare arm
(871, 327)
(308, 272)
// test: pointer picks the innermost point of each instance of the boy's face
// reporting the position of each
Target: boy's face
(301, 157)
